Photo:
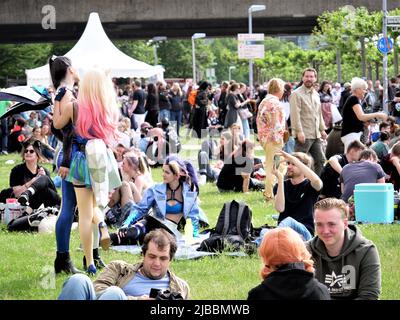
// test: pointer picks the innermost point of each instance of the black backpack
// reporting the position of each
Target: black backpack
(233, 229)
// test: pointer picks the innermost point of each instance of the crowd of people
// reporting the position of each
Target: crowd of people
(319, 141)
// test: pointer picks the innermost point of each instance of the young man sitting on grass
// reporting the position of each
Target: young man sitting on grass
(345, 261)
(123, 281)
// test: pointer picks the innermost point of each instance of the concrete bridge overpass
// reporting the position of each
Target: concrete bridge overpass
(60, 20)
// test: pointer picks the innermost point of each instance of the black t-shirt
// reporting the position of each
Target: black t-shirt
(330, 179)
(230, 178)
(163, 101)
(152, 103)
(20, 175)
(299, 203)
(140, 97)
(350, 121)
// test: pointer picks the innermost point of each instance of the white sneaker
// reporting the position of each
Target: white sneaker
(202, 180)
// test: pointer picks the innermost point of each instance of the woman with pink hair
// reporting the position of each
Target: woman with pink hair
(95, 116)
(288, 269)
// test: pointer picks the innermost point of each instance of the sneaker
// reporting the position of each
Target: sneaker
(105, 240)
(202, 180)
(24, 198)
(4, 152)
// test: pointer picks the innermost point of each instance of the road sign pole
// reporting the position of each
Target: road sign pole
(385, 59)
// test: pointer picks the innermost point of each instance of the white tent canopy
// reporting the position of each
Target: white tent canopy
(94, 48)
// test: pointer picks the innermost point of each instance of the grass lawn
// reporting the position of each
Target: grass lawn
(26, 259)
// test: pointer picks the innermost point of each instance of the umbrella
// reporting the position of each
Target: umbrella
(29, 98)
(22, 107)
(31, 95)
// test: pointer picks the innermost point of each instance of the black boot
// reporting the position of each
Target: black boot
(98, 262)
(63, 263)
(24, 198)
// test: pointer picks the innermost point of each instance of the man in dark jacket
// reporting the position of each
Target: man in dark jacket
(346, 262)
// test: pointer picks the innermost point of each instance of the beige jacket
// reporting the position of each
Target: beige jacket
(119, 273)
(305, 113)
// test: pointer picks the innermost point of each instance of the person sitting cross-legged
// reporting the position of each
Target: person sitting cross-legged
(295, 197)
(169, 203)
(31, 183)
(123, 281)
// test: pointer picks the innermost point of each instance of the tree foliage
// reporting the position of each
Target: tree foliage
(345, 29)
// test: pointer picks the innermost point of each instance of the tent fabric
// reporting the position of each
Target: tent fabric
(94, 48)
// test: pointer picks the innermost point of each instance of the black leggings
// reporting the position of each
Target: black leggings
(135, 234)
(45, 192)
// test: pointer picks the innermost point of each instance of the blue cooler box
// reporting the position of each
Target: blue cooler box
(374, 202)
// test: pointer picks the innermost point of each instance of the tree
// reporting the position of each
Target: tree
(14, 59)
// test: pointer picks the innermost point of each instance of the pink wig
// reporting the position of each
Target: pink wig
(98, 112)
(282, 246)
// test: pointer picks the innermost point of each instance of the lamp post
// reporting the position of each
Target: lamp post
(154, 41)
(385, 58)
(230, 71)
(253, 8)
(194, 37)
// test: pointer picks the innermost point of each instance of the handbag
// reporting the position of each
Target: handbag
(336, 116)
(244, 113)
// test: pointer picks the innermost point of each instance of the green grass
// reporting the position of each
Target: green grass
(26, 259)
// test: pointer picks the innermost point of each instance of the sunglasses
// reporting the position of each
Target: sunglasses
(29, 150)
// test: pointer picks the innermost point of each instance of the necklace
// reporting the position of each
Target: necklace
(173, 190)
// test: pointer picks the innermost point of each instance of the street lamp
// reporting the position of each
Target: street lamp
(253, 8)
(230, 71)
(154, 41)
(194, 37)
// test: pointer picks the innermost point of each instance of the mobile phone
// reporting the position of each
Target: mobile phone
(154, 292)
(277, 162)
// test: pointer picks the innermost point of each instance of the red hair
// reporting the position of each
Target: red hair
(282, 246)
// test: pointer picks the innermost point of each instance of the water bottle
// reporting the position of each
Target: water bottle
(8, 212)
(188, 231)
(2, 211)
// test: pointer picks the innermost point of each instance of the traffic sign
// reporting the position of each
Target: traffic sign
(385, 45)
(253, 51)
(248, 47)
(393, 21)
(250, 37)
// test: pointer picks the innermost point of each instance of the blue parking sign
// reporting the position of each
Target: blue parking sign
(385, 45)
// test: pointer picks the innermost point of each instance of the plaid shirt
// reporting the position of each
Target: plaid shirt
(305, 113)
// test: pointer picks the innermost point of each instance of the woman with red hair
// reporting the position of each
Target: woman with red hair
(288, 269)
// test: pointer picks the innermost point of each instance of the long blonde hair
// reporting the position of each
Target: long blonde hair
(98, 110)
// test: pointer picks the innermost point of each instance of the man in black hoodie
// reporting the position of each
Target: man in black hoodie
(346, 262)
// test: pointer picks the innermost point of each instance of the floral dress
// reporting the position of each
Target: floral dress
(268, 129)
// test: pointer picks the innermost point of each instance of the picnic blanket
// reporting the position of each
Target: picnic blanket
(184, 251)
